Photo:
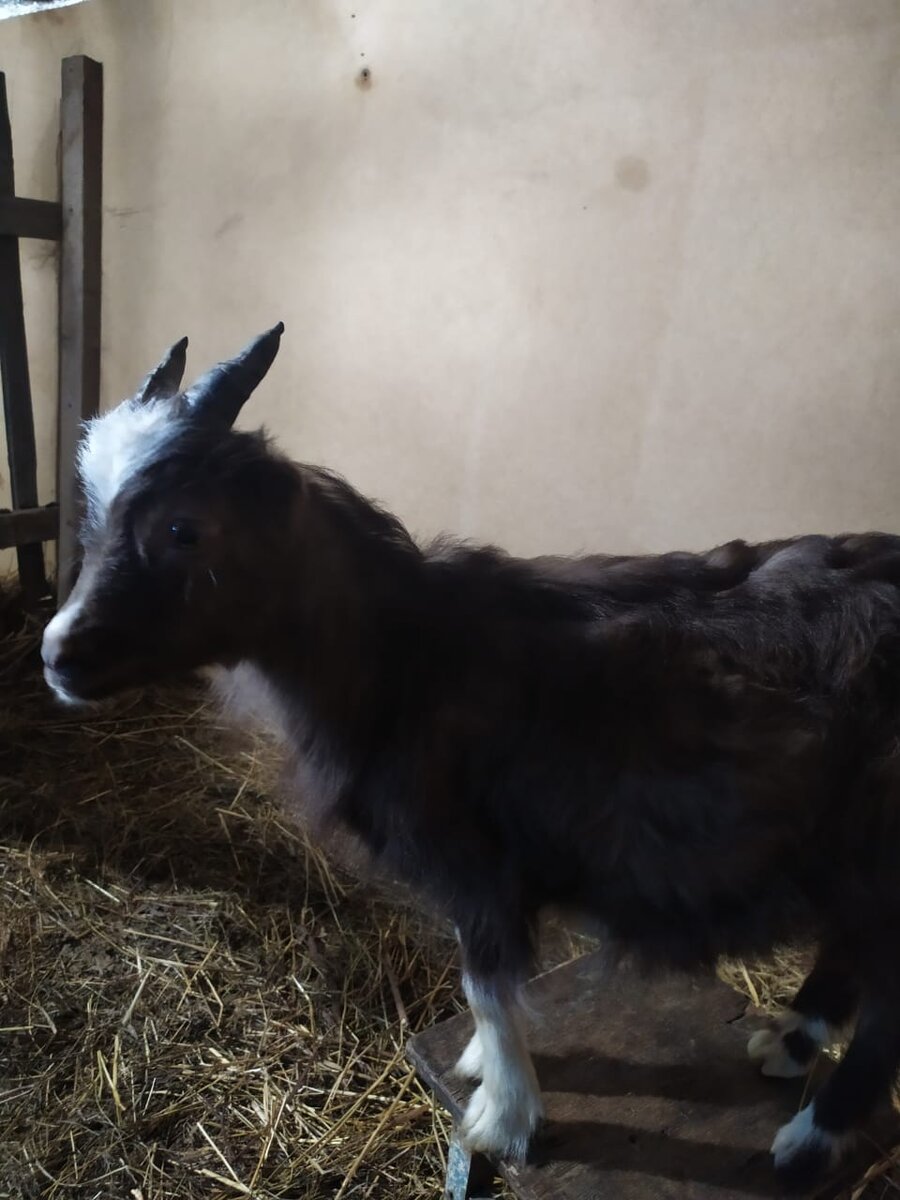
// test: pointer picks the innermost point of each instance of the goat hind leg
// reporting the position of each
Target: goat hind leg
(817, 1137)
(826, 1001)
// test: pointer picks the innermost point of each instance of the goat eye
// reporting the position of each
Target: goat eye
(183, 533)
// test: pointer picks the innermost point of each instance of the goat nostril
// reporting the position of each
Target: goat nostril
(49, 649)
(69, 650)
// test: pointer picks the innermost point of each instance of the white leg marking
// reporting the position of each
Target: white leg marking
(505, 1108)
(767, 1047)
(802, 1135)
(471, 1061)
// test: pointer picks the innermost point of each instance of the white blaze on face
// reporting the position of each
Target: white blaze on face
(117, 445)
(113, 448)
(56, 633)
(59, 628)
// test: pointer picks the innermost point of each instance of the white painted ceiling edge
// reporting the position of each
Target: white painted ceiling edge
(22, 8)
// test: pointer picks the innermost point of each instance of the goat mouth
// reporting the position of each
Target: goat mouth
(60, 683)
(81, 687)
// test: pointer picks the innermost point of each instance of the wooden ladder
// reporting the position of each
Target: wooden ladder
(75, 222)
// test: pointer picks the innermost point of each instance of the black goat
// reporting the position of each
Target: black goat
(698, 750)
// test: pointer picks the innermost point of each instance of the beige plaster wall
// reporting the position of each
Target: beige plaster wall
(563, 274)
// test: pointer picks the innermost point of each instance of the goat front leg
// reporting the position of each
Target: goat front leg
(505, 1107)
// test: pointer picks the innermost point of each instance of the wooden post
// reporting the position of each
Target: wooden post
(14, 374)
(469, 1176)
(79, 289)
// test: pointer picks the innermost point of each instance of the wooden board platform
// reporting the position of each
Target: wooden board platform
(648, 1090)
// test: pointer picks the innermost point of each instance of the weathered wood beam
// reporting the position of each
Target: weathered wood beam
(16, 383)
(26, 526)
(30, 218)
(79, 289)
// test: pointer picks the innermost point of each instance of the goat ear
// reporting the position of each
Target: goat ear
(164, 381)
(220, 394)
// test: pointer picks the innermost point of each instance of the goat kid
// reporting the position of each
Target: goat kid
(699, 751)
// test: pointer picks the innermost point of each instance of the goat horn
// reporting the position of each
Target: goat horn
(164, 381)
(221, 393)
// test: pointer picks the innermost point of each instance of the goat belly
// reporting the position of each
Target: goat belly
(687, 869)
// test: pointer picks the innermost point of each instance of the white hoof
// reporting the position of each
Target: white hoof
(767, 1046)
(470, 1064)
(501, 1127)
(801, 1145)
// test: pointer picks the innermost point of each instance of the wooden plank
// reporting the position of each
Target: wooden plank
(648, 1090)
(79, 289)
(30, 218)
(25, 526)
(469, 1176)
(16, 383)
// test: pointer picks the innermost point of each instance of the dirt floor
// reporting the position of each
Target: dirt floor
(193, 1001)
